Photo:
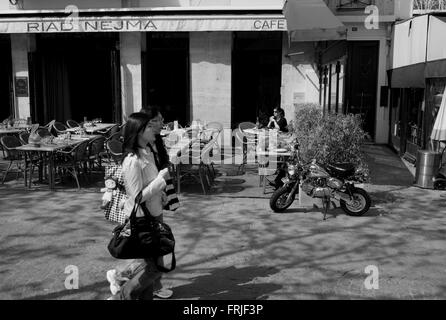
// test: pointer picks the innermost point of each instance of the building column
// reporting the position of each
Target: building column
(21, 44)
(382, 112)
(210, 76)
(131, 86)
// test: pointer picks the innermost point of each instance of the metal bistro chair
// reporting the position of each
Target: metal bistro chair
(14, 156)
(267, 172)
(114, 149)
(110, 131)
(96, 151)
(192, 166)
(247, 143)
(43, 132)
(33, 158)
(24, 136)
(71, 161)
(207, 153)
(58, 128)
(72, 124)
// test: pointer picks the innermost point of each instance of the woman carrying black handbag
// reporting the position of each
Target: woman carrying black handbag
(141, 278)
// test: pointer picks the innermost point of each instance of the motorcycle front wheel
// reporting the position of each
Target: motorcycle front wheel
(278, 201)
(359, 205)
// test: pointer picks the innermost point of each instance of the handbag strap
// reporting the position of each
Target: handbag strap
(172, 265)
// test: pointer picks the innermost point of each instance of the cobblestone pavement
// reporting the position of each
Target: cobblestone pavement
(230, 245)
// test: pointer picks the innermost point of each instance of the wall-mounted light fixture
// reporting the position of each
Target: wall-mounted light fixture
(294, 54)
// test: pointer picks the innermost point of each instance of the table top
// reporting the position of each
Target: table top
(265, 131)
(11, 130)
(95, 128)
(277, 153)
(179, 131)
(56, 145)
(47, 147)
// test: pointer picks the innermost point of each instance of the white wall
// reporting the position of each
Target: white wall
(131, 75)
(300, 83)
(409, 42)
(437, 39)
(210, 74)
(20, 45)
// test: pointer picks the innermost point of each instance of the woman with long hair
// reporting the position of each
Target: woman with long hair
(144, 169)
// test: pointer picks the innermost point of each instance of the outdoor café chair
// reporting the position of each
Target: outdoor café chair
(71, 161)
(114, 149)
(72, 124)
(267, 171)
(246, 143)
(96, 151)
(214, 125)
(115, 136)
(24, 136)
(33, 158)
(195, 167)
(49, 124)
(58, 128)
(14, 157)
(43, 132)
(109, 131)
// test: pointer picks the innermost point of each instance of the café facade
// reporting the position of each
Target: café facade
(216, 60)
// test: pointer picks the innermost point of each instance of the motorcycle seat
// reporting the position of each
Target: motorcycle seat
(344, 169)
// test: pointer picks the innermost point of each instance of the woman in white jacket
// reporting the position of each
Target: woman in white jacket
(140, 172)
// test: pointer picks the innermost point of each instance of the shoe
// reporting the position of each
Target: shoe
(114, 286)
(163, 293)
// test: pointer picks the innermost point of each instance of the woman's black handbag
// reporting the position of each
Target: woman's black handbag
(142, 238)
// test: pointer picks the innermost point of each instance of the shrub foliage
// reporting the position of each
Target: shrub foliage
(333, 138)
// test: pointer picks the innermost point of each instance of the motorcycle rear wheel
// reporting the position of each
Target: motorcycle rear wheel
(359, 206)
(278, 202)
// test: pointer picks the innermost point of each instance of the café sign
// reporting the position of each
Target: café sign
(144, 24)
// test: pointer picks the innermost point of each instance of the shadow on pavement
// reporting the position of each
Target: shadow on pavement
(229, 284)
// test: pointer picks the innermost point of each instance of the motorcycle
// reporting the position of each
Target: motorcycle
(323, 182)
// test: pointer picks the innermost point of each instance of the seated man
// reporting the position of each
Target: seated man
(278, 121)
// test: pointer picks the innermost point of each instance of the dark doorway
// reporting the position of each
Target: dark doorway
(6, 106)
(361, 82)
(166, 75)
(256, 75)
(74, 76)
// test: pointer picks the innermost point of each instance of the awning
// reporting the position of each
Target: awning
(439, 130)
(312, 20)
(411, 76)
(145, 20)
(415, 75)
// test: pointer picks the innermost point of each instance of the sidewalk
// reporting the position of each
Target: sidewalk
(230, 245)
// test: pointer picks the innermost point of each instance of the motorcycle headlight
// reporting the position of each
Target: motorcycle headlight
(291, 170)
